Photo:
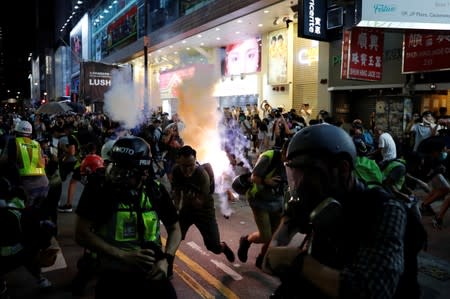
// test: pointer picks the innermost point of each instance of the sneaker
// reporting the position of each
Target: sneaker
(259, 261)
(244, 245)
(44, 283)
(426, 210)
(437, 223)
(65, 208)
(228, 252)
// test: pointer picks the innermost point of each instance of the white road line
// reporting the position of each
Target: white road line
(227, 270)
(196, 247)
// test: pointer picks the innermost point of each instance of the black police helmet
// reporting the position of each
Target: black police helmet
(322, 139)
(242, 183)
(131, 152)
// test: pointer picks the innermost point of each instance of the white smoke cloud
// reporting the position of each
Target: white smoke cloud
(124, 100)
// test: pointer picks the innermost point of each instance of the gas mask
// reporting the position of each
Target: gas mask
(309, 185)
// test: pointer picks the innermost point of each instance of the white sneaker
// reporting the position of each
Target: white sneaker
(44, 283)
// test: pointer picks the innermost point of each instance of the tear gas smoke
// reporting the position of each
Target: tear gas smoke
(198, 109)
(124, 100)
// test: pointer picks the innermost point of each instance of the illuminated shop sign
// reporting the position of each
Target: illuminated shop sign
(314, 15)
(307, 56)
(411, 14)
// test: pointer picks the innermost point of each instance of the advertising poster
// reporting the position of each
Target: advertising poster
(76, 47)
(243, 57)
(123, 30)
(425, 52)
(278, 60)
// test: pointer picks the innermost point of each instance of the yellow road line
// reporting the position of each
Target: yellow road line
(190, 281)
(228, 293)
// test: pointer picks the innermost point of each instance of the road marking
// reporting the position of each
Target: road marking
(190, 281)
(228, 293)
(228, 270)
(60, 262)
(196, 247)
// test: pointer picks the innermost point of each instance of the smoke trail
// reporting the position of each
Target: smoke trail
(198, 110)
(124, 100)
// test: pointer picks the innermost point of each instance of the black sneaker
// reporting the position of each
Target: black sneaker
(244, 245)
(228, 252)
(426, 210)
(259, 261)
(437, 223)
(65, 208)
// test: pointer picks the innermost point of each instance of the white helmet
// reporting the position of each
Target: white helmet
(24, 127)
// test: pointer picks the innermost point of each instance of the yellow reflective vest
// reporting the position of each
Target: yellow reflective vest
(29, 157)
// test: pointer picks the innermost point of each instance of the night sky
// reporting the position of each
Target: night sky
(18, 41)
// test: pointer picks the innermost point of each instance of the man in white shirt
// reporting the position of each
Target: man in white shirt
(386, 146)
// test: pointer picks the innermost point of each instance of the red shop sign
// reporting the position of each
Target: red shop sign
(425, 52)
(365, 58)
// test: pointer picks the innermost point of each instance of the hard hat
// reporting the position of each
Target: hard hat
(24, 127)
(90, 164)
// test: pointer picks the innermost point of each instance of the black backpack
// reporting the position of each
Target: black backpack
(415, 240)
(212, 184)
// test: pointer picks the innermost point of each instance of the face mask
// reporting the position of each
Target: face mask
(443, 156)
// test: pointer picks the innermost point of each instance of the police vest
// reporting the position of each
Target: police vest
(271, 170)
(28, 157)
(11, 228)
(130, 226)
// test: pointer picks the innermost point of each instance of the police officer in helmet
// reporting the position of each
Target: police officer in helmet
(119, 220)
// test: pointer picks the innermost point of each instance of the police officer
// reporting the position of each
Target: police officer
(118, 219)
(30, 162)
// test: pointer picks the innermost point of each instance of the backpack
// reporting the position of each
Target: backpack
(368, 171)
(212, 184)
(415, 239)
(367, 201)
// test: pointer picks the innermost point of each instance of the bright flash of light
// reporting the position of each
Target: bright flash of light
(198, 110)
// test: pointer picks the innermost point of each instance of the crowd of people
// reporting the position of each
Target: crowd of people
(299, 174)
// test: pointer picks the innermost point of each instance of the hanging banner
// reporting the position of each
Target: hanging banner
(425, 52)
(95, 80)
(365, 55)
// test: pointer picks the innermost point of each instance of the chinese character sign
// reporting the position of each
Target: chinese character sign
(425, 51)
(364, 57)
(314, 16)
